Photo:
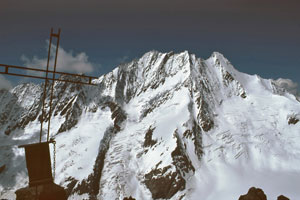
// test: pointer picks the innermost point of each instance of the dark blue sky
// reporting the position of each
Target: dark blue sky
(258, 36)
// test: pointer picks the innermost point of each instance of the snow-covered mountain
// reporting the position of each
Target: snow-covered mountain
(165, 126)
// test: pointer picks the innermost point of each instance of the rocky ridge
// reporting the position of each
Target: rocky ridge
(148, 127)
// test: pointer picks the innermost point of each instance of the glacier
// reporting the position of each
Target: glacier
(164, 126)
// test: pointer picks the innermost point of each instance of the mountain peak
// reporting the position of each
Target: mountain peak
(164, 126)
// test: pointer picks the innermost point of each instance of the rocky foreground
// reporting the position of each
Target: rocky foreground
(258, 194)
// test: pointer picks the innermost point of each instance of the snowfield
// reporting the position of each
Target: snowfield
(165, 126)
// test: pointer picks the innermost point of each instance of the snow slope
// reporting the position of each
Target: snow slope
(165, 126)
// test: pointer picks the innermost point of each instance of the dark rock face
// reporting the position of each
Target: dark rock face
(204, 117)
(149, 142)
(156, 102)
(2, 168)
(258, 194)
(70, 186)
(71, 118)
(195, 134)
(70, 108)
(293, 120)
(281, 197)
(165, 182)
(243, 95)
(118, 115)
(129, 198)
(254, 194)
(181, 161)
(228, 78)
(91, 184)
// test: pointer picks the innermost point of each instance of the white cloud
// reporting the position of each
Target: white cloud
(66, 61)
(289, 85)
(122, 59)
(4, 83)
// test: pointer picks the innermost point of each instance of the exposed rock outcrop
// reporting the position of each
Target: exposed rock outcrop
(281, 197)
(254, 194)
(2, 168)
(258, 194)
(293, 120)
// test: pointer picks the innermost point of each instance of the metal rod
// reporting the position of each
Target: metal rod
(49, 79)
(45, 87)
(53, 82)
(42, 70)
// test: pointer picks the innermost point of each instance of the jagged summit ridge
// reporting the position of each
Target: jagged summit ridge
(164, 126)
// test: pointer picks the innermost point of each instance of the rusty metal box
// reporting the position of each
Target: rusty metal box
(38, 163)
